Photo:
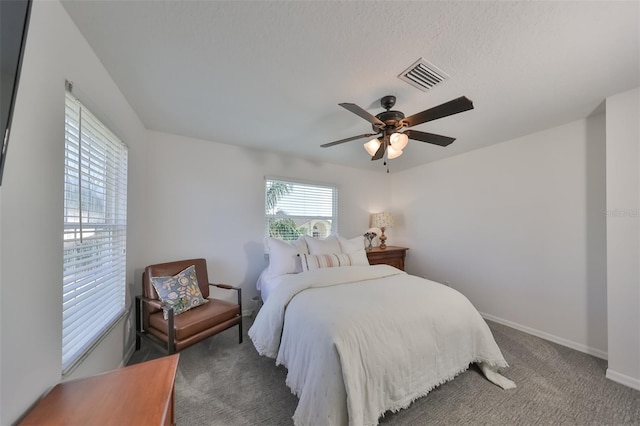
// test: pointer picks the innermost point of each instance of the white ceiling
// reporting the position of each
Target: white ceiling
(270, 75)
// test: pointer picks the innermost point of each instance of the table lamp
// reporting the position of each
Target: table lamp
(382, 221)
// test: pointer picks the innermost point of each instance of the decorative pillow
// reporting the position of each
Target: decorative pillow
(327, 246)
(352, 245)
(311, 262)
(359, 258)
(283, 256)
(301, 245)
(180, 291)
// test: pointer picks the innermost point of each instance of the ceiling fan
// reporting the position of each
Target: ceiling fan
(387, 126)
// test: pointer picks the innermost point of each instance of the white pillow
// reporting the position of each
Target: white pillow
(349, 246)
(283, 256)
(359, 258)
(327, 246)
(301, 245)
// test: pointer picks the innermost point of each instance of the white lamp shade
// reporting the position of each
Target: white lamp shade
(372, 146)
(381, 220)
(399, 141)
(393, 152)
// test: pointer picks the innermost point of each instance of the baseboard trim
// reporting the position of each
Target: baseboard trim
(550, 337)
(129, 354)
(623, 379)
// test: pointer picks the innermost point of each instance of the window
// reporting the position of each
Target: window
(95, 229)
(293, 209)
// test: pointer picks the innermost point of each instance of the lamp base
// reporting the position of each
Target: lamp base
(383, 239)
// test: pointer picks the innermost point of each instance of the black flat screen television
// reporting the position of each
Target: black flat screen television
(14, 22)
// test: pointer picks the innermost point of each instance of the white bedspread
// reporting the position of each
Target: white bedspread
(358, 341)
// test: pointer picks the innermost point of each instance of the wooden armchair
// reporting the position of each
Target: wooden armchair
(178, 332)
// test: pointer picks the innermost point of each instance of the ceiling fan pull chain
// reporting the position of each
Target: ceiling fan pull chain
(386, 152)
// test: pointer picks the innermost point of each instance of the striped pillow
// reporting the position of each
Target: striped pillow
(311, 262)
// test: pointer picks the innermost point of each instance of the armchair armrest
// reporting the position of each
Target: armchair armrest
(153, 302)
(159, 305)
(225, 286)
(230, 287)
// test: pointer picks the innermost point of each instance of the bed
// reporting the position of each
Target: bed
(361, 340)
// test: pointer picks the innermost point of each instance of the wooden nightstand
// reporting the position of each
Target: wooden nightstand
(393, 256)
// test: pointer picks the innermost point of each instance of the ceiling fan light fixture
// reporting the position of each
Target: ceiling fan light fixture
(399, 141)
(372, 146)
(393, 153)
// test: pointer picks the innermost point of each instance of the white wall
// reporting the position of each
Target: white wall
(31, 208)
(623, 237)
(207, 200)
(186, 198)
(519, 228)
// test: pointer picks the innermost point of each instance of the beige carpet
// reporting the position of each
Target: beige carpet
(222, 383)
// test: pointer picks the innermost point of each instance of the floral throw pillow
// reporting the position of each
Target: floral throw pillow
(180, 291)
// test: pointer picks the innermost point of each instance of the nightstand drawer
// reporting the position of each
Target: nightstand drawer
(393, 256)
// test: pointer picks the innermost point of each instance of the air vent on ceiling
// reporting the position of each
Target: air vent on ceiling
(423, 75)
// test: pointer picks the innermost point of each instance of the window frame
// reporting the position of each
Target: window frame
(94, 232)
(307, 218)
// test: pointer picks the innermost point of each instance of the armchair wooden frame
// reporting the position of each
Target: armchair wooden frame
(148, 304)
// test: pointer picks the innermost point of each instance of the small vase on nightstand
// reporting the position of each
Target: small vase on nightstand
(369, 236)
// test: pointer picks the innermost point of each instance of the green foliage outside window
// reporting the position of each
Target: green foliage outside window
(282, 227)
(285, 229)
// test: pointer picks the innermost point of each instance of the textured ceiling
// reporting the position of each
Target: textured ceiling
(270, 75)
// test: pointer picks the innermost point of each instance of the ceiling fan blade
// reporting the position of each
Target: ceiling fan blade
(429, 137)
(380, 152)
(366, 135)
(455, 106)
(362, 113)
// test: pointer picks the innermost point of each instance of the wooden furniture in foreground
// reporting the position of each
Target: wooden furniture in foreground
(392, 255)
(141, 394)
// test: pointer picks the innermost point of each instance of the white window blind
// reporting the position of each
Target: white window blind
(293, 209)
(95, 229)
